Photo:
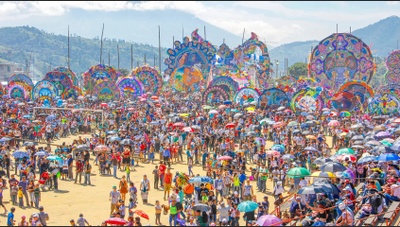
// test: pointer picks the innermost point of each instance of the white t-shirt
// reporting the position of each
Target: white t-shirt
(303, 183)
(396, 190)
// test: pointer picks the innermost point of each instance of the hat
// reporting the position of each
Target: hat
(23, 216)
(279, 183)
(235, 193)
(298, 198)
(224, 220)
(35, 215)
(342, 206)
(114, 187)
(347, 181)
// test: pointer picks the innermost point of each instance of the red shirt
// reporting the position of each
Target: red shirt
(162, 169)
(168, 178)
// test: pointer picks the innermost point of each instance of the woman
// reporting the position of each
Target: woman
(145, 188)
(137, 221)
(130, 222)
(31, 191)
(123, 187)
(23, 221)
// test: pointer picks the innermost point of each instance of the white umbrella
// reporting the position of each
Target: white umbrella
(237, 115)
(213, 112)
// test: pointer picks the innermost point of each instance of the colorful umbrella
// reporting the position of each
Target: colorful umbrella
(230, 125)
(346, 151)
(322, 174)
(116, 221)
(345, 114)
(333, 167)
(225, 158)
(101, 148)
(366, 159)
(273, 153)
(321, 161)
(278, 147)
(141, 214)
(269, 220)
(333, 123)
(387, 157)
(343, 157)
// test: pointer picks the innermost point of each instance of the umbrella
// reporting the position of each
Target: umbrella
(357, 147)
(187, 129)
(101, 148)
(396, 146)
(328, 187)
(237, 115)
(201, 207)
(27, 116)
(310, 149)
(311, 190)
(278, 124)
(51, 117)
(358, 142)
(357, 126)
(116, 221)
(55, 158)
(127, 142)
(200, 180)
(41, 153)
(358, 137)
(306, 132)
(230, 125)
(382, 135)
(379, 128)
(112, 132)
(345, 114)
(321, 161)
(296, 131)
(366, 159)
(386, 143)
(103, 104)
(292, 123)
(281, 108)
(222, 107)
(273, 153)
(179, 124)
(114, 138)
(333, 123)
(298, 172)
(333, 167)
(343, 157)
(29, 144)
(310, 117)
(213, 112)
(372, 143)
(269, 220)
(288, 157)
(387, 157)
(82, 147)
(20, 154)
(141, 214)
(5, 139)
(278, 147)
(346, 151)
(247, 206)
(225, 158)
(227, 102)
(322, 174)
(207, 107)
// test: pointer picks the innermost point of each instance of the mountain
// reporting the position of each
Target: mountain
(133, 26)
(43, 50)
(381, 37)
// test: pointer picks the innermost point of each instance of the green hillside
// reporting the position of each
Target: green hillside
(44, 50)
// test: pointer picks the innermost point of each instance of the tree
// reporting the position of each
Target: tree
(298, 69)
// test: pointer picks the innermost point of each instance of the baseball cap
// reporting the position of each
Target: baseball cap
(235, 193)
(114, 186)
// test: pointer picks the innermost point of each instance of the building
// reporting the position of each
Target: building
(7, 69)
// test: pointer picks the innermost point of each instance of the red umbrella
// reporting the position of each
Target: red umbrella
(230, 125)
(397, 120)
(187, 129)
(104, 104)
(154, 97)
(131, 109)
(101, 148)
(278, 124)
(288, 111)
(116, 221)
(225, 158)
(142, 214)
(178, 124)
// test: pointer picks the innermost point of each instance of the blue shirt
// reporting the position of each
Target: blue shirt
(10, 219)
(242, 178)
(166, 153)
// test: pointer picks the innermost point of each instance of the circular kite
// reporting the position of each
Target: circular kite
(214, 94)
(106, 91)
(306, 100)
(228, 81)
(43, 90)
(129, 88)
(71, 92)
(21, 78)
(341, 57)
(246, 96)
(18, 90)
(68, 72)
(189, 63)
(273, 97)
(361, 92)
(151, 80)
(393, 66)
(98, 74)
(60, 79)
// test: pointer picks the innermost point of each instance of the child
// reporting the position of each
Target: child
(158, 209)
(128, 173)
(133, 192)
(365, 210)
(20, 197)
(122, 208)
(204, 198)
(131, 205)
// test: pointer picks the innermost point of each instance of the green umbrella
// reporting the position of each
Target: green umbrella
(293, 123)
(207, 107)
(386, 143)
(298, 172)
(345, 151)
(247, 206)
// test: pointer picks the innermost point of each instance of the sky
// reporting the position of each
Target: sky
(277, 22)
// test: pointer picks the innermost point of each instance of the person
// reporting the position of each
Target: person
(137, 221)
(43, 216)
(35, 221)
(144, 188)
(23, 221)
(114, 198)
(297, 208)
(156, 177)
(158, 210)
(223, 212)
(10, 217)
(88, 169)
(72, 222)
(128, 173)
(37, 195)
(173, 212)
(1, 199)
(20, 196)
(133, 192)
(167, 182)
(81, 221)
(247, 191)
(346, 218)
(78, 171)
(123, 187)
(122, 208)
(24, 186)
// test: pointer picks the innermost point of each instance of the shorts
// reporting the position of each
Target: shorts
(126, 160)
(167, 187)
(65, 171)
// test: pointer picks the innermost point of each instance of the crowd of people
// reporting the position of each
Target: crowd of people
(331, 168)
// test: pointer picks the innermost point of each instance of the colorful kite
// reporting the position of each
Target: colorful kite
(393, 67)
(106, 91)
(306, 100)
(247, 96)
(151, 80)
(214, 94)
(99, 74)
(229, 82)
(44, 90)
(273, 97)
(129, 88)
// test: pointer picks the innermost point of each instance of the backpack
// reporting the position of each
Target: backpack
(376, 200)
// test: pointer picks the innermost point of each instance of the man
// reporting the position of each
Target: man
(115, 196)
(161, 172)
(156, 177)
(247, 191)
(167, 182)
(24, 184)
(145, 188)
(7, 164)
(78, 170)
(10, 217)
(70, 163)
(223, 212)
(87, 168)
(297, 208)
(218, 185)
(174, 209)
(12, 181)
(43, 216)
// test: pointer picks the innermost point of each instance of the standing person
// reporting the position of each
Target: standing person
(167, 182)
(1, 199)
(81, 221)
(156, 177)
(43, 216)
(144, 188)
(247, 191)
(10, 217)
(158, 210)
(87, 168)
(7, 164)
(115, 196)
(161, 172)
(24, 185)
(123, 187)
(37, 195)
(78, 171)
(70, 162)
(128, 173)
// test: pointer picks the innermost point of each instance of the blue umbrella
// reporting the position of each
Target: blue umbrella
(20, 154)
(200, 180)
(51, 117)
(247, 206)
(5, 139)
(115, 138)
(387, 157)
(55, 158)
(41, 153)
(278, 147)
(304, 113)
(366, 159)
(227, 102)
(27, 116)
(127, 142)
(288, 157)
(310, 149)
(111, 132)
